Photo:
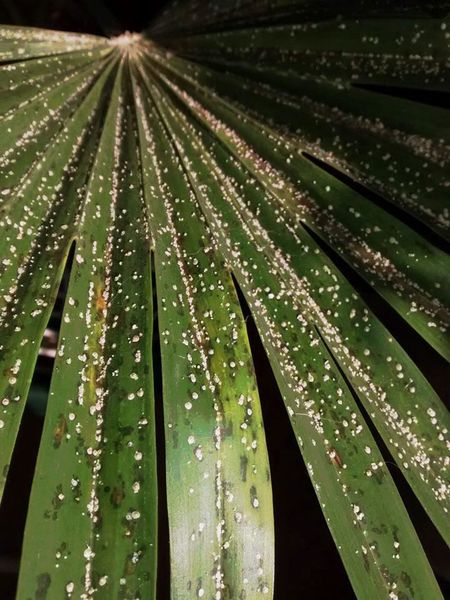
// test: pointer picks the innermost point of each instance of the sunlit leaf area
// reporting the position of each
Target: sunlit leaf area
(224, 300)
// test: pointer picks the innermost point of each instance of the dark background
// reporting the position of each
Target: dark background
(86, 16)
(307, 563)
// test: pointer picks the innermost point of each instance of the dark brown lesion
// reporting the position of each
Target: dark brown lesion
(243, 467)
(59, 431)
(117, 495)
(43, 584)
(335, 458)
(100, 302)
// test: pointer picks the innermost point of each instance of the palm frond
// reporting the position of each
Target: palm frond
(221, 155)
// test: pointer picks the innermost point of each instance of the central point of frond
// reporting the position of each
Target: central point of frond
(126, 40)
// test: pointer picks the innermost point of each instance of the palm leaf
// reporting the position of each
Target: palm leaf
(222, 156)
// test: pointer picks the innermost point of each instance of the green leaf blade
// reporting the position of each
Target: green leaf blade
(218, 482)
(99, 514)
(327, 422)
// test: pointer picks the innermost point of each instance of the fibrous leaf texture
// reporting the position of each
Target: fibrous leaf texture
(222, 148)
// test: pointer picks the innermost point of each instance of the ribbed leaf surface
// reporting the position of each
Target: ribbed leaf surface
(223, 155)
